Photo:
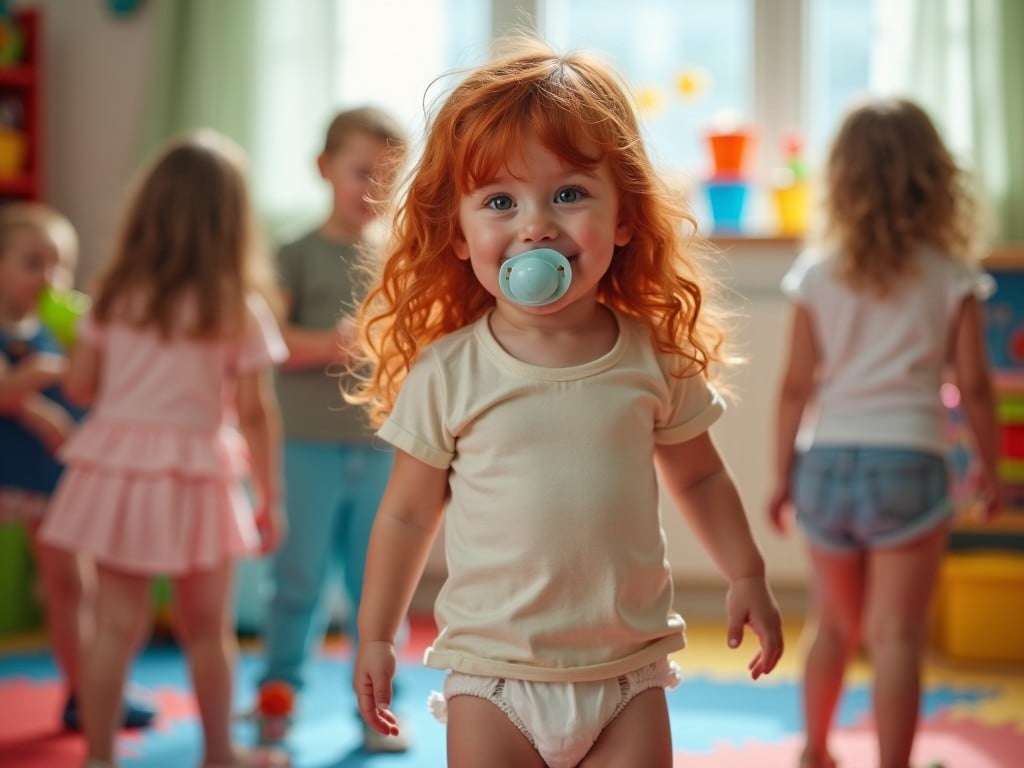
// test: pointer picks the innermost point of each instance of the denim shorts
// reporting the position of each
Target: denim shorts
(851, 498)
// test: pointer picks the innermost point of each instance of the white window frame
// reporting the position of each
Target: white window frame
(779, 77)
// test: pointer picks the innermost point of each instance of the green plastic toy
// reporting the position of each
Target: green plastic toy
(60, 310)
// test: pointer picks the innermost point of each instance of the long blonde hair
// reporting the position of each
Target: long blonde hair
(421, 292)
(189, 233)
(890, 185)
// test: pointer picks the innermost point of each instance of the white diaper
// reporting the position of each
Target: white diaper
(561, 720)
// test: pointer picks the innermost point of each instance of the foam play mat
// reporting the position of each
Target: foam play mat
(971, 717)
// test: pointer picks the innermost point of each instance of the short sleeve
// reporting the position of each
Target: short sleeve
(263, 344)
(971, 280)
(694, 406)
(416, 425)
(46, 341)
(795, 283)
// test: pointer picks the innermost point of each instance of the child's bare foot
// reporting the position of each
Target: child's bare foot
(258, 757)
(808, 760)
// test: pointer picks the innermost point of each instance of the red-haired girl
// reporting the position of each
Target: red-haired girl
(539, 344)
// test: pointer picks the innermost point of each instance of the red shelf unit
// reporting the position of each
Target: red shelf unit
(23, 82)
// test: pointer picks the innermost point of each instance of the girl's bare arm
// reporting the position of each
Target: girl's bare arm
(404, 530)
(795, 391)
(259, 420)
(696, 478)
(977, 397)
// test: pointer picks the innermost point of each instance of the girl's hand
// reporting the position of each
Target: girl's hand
(47, 420)
(991, 495)
(42, 369)
(272, 525)
(376, 662)
(749, 601)
(32, 374)
(780, 510)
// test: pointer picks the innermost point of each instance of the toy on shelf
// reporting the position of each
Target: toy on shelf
(731, 147)
(790, 189)
(12, 38)
(13, 139)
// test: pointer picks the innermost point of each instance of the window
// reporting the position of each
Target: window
(325, 55)
(780, 65)
(396, 67)
(688, 62)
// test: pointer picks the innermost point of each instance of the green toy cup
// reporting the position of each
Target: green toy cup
(60, 310)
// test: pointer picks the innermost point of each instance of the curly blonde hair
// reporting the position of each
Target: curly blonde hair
(890, 185)
(420, 291)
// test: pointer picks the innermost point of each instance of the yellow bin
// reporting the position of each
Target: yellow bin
(979, 607)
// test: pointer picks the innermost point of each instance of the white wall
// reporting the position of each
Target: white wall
(744, 434)
(96, 68)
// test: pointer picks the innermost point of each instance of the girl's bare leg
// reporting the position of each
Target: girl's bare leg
(832, 639)
(479, 733)
(204, 622)
(901, 584)
(66, 584)
(639, 735)
(122, 621)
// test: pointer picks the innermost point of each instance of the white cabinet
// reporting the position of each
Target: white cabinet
(752, 273)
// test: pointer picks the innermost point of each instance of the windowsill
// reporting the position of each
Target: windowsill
(725, 242)
(1006, 257)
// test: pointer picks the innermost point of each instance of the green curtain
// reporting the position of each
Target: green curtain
(1010, 92)
(264, 73)
(205, 67)
(986, 37)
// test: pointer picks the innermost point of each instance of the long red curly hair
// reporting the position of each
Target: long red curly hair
(420, 291)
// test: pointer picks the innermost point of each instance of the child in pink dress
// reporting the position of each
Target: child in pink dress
(176, 351)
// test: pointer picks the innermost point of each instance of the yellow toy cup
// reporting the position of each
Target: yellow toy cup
(60, 310)
(791, 209)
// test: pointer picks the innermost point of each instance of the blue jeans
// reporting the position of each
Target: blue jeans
(331, 497)
(851, 498)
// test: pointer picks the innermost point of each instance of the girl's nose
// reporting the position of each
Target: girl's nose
(537, 227)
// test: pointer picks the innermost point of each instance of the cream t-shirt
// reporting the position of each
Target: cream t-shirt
(557, 568)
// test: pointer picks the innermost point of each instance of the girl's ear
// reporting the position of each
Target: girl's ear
(321, 165)
(460, 247)
(623, 233)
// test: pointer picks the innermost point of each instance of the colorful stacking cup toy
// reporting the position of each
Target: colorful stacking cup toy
(728, 186)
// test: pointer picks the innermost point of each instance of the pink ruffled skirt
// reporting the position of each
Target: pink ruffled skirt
(153, 499)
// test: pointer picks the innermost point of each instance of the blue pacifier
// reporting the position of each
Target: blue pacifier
(535, 278)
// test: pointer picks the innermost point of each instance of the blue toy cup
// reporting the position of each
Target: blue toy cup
(728, 200)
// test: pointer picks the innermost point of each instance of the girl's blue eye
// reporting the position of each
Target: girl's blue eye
(499, 202)
(569, 195)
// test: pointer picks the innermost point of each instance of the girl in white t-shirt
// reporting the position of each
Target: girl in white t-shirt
(539, 343)
(883, 306)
